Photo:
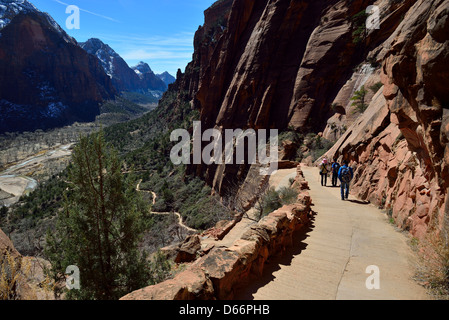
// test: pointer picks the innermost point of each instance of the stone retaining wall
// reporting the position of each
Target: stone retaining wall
(223, 271)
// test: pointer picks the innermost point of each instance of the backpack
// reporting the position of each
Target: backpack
(336, 167)
(346, 175)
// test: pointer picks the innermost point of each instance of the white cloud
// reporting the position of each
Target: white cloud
(182, 41)
(173, 51)
(145, 54)
(90, 12)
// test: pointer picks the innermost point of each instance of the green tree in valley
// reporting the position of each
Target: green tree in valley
(100, 227)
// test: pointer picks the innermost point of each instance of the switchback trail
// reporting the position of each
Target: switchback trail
(180, 222)
(330, 261)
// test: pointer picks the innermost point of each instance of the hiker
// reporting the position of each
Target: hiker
(335, 169)
(324, 170)
(345, 174)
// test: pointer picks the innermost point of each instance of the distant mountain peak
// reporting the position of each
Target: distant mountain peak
(97, 47)
(142, 68)
(139, 78)
(166, 77)
(103, 52)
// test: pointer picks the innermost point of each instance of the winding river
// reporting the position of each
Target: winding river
(17, 179)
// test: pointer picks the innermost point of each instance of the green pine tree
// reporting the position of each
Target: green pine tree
(100, 227)
(359, 99)
(359, 27)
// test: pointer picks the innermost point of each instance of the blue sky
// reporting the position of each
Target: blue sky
(159, 32)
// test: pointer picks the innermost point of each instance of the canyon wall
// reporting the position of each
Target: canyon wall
(296, 65)
(286, 65)
(399, 146)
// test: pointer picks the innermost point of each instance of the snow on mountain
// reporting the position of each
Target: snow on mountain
(46, 79)
(136, 79)
(142, 68)
(103, 52)
(149, 79)
(11, 8)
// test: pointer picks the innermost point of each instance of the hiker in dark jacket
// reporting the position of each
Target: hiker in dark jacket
(335, 169)
(345, 174)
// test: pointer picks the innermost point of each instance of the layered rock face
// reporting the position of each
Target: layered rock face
(278, 59)
(205, 41)
(46, 79)
(399, 146)
(283, 64)
(297, 64)
(27, 272)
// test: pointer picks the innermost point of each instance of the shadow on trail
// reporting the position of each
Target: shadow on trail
(350, 200)
(272, 265)
(358, 201)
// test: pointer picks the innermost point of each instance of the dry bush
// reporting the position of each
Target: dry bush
(433, 265)
(13, 271)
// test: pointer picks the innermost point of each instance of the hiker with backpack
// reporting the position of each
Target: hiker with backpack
(324, 170)
(345, 174)
(335, 169)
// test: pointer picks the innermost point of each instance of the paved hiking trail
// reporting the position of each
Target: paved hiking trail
(329, 261)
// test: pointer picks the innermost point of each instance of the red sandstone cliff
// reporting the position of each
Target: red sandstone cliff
(289, 63)
(24, 279)
(279, 64)
(296, 64)
(399, 146)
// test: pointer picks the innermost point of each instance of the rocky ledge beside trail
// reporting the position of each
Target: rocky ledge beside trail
(221, 272)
